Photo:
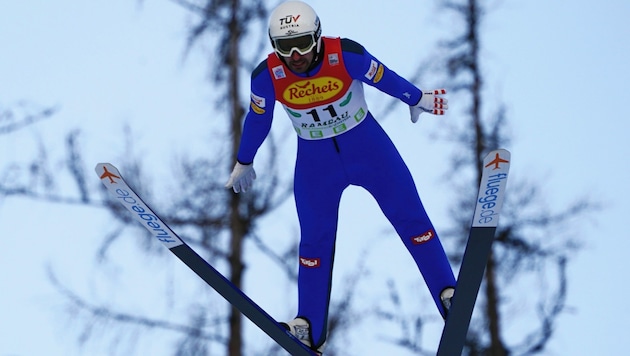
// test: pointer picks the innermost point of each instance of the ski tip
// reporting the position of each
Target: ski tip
(99, 166)
(497, 160)
(496, 166)
(500, 151)
(107, 171)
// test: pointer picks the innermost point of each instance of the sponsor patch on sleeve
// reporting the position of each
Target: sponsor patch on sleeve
(258, 100)
(372, 71)
(379, 73)
(258, 104)
(258, 110)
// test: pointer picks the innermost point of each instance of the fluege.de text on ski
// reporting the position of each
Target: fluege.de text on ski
(489, 198)
(152, 221)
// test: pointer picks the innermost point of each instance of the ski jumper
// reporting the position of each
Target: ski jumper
(341, 144)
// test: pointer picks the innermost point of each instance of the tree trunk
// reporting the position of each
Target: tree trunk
(237, 226)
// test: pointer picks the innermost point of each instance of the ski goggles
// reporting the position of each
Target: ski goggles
(301, 44)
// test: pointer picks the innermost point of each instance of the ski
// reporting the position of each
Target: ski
(120, 190)
(485, 221)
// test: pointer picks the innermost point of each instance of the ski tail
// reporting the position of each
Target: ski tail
(490, 198)
(122, 192)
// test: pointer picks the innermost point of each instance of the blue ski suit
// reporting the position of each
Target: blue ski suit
(341, 144)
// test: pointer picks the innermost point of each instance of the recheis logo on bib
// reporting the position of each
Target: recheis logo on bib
(312, 90)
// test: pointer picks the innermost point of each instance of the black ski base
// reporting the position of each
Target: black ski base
(467, 288)
(240, 301)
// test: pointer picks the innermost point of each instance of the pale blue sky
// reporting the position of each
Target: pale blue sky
(560, 67)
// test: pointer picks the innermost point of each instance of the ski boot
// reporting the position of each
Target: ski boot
(301, 329)
(446, 297)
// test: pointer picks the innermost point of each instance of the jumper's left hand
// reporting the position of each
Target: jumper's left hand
(429, 102)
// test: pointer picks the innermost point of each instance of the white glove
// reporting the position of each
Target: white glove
(429, 102)
(242, 177)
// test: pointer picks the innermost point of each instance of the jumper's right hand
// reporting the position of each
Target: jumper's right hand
(429, 102)
(242, 177)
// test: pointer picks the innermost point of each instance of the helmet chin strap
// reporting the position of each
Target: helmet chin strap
(319, 50)
(317, 58)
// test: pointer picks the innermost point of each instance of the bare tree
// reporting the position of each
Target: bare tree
(232, 19)
(27, 180)
(212, 219)
(522, 253)
(22, 115)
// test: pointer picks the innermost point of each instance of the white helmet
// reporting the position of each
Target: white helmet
(294, 26)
